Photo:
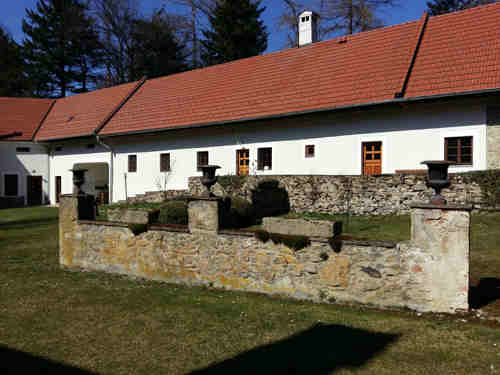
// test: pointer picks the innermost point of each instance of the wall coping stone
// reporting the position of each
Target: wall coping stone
(237, 232)
(104, 223)
(450, 207)
(169, 228)
(370, 243)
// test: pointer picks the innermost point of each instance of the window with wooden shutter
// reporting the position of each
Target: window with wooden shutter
(201, 159)
(132, 163)
(458, 150)
(265, 158)
(165, 162)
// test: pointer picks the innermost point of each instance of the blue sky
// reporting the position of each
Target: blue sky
(13, 11)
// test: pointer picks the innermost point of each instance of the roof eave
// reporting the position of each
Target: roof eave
(312, 111)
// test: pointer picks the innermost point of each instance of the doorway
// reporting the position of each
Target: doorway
(34, 190)
(372, 158)
(242, 162)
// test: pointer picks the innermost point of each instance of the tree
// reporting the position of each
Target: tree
(13, 81)
(197, 12)
(236, 32)
(57, 39)
(116, 25)
(155, 48)
(337, 17)
(289, 21)
(437, 7)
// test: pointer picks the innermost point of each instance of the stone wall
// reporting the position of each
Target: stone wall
(359, 195)
(429, 273)
(493, 135)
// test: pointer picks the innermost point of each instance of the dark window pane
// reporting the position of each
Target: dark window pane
(11, 188)
(165, 162)
(377, 156)
(368, 156)
(459, 149)
(202, 159)
(132, 163)
(264, 158)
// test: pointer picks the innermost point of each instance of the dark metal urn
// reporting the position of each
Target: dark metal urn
(438, 178)
(209, 178)
(79, 179)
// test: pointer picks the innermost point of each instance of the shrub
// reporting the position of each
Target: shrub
(262, 235)
(237, 213)
(269, 199)
(174, 212)
(138, 228)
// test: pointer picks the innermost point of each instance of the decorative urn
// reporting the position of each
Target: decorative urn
(209, 178)
(79, 179)
(438, 178)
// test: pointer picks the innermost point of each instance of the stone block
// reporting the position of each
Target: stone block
(203, 215)
(132, 216)
(300, 227)
(335, 272)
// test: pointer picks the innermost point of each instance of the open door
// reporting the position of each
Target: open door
(372, 158)
(34, 190)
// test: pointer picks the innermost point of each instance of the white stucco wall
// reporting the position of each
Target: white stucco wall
(409, 135)
(32, 163)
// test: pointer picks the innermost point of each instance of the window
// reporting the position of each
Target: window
(132, 163)
(58, 188)
(264, 158)
(22, 149)
(11, 185)
(202, 159)
(309, 151)
(165, 162)
(458, 150)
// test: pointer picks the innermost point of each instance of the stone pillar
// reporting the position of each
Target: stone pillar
(203, 215)
(438, 262)
(68, 219)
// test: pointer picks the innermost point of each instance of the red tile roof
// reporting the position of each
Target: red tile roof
(22, 115)
(80, 115)
(366, 68)
(460, 52)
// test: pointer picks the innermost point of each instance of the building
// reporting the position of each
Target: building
(377, 102)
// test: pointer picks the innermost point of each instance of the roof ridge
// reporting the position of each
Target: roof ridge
(43, 119)
(103, 123)
(418, 41)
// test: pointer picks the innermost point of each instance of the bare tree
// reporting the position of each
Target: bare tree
(197, 12)
(337, 17)
(289, 21)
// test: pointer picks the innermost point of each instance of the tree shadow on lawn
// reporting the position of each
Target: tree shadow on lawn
(484, 293)
(20, 224)
(320, 349)
(16, 362)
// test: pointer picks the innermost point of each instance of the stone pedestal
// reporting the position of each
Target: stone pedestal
(203, 215)
(439, 259)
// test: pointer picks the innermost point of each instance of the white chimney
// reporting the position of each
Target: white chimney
(308, 28)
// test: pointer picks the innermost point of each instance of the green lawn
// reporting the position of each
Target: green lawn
(84, 322)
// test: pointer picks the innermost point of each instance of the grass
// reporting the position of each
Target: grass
(85, 322)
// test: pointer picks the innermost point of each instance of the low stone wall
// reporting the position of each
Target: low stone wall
(155, 196)
(358, 195)
(429, 273)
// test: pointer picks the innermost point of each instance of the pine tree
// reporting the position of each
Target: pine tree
(236, 32)
(156, 52)
(437, 7)
(12, 78)
(58, 34)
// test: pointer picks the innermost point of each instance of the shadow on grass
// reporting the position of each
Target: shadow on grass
(20, 224)
(484, 293)
(16, 362)
(320, 349)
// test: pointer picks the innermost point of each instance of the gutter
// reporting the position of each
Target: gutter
(10, 135)
(313, 111)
